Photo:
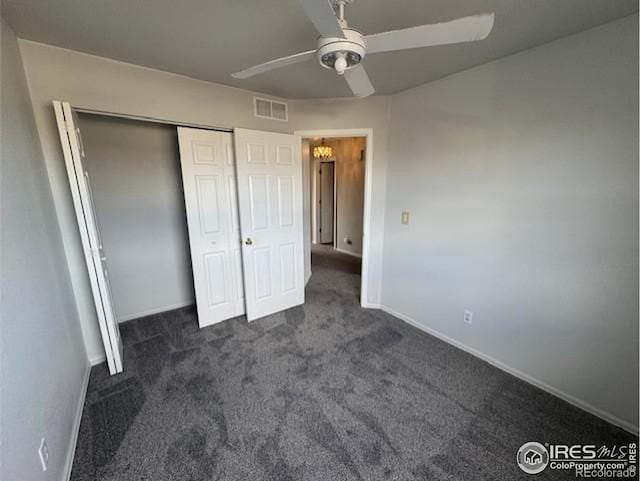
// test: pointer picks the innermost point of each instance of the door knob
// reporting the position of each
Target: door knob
(248, 241)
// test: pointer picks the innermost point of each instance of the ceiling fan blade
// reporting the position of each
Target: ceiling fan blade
(323, 17)
(359, 82)
(274, 64)
(466, 29)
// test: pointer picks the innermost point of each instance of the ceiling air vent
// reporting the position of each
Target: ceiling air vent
(270, 109)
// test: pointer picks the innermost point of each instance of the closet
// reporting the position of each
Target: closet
(136, 183)
(243, 207)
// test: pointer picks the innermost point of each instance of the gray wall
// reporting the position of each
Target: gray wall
(350, 195)
(134, 169)
(42, 356)
(521, 177)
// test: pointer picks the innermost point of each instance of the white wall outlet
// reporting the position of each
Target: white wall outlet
(43, 452)
(467, 316)
(404, 219)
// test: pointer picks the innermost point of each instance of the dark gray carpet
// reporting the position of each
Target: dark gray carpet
(326, 391)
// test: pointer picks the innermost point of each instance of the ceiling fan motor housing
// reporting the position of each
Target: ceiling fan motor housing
(352, 49)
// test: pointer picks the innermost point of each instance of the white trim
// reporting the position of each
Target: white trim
(313, 185)
(371, 305)
(352, 254)
(306, 281)
(368, 195)
(155, 310)
(627, 426)
(71, 449)
(99, 359)
(316, 212)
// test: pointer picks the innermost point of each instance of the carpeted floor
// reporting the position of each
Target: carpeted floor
(326, 391)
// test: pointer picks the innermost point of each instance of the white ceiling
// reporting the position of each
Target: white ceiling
(210, 39)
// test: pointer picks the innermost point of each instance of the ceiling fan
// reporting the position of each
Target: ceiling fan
(342, 49)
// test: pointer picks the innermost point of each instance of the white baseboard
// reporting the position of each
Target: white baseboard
(306, 281)
(627, 426)
(371, 305)
(352, 254)
(155, 310)
(99, 359)
(71, 450)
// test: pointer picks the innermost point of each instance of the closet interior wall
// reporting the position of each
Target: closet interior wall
(135, 176)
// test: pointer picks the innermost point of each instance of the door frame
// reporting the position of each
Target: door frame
(368, 193)
(317, 212)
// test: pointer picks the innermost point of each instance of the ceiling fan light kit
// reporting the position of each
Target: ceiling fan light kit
(352, 49)
(344, 52)
(342, 49)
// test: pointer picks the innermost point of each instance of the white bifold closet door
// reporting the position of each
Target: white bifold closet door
(269, 171)
(209, 181)
(73, 151)
(256, 195)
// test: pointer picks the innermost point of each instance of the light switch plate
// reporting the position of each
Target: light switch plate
(405, 217)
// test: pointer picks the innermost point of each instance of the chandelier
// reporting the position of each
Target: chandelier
(322, 151)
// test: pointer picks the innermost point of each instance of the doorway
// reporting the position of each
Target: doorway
(326, 202)
(342, 226)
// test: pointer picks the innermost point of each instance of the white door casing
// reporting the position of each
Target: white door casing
(209, 182)
(269, 171)
(326, 202)
(369, 295)
(73, 150)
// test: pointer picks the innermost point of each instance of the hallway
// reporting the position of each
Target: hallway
(324, 391)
